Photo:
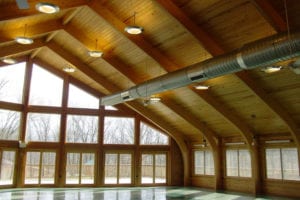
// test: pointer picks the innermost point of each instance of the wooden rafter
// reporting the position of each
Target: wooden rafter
(270, 14)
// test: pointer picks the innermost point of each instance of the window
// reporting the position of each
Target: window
(110, 108)
(118, 168)
(151, 136)
(43, 127)
(7, 166)
(40, 167)
(45, 88)
(154, 168)
(203, 163)
(81, 99)
(82, 129)
(282, 163)
(118, 130)
(80, 168)
(238, 163)
(12, 82)
(9, 125)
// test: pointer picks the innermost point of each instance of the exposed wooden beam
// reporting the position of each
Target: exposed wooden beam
(227, 114)
(82, 67)
(271, 15)
(15, 48)
(209, 134)
(33, 31)
(11, 11)
(203, 37)
(271, 103)
(69, 16)
(137, 39)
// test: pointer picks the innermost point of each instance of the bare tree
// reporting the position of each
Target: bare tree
(9, 125)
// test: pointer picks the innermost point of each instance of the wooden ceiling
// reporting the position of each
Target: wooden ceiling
(177, 33)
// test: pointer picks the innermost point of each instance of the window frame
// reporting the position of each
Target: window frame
(238, 163)
(204, 158)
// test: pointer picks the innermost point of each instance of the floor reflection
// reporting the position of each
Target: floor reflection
(128, 193)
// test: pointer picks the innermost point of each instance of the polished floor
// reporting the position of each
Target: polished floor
(128, 193)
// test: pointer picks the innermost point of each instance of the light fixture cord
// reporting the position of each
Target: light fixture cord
(96, 45)
(25, 30)
(287, 26)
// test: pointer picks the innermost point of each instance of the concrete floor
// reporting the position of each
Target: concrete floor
(123, 193)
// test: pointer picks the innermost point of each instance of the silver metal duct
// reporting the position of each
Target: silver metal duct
(257, 54)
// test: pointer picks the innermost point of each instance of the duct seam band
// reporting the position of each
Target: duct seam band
(240, 61)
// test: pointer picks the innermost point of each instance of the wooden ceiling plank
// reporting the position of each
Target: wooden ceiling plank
(270, 14)
(203, 37)
(11, 11)
(68, 17)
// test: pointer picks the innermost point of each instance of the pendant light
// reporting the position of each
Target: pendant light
(23, 39)
(95, 53)
(134, 29)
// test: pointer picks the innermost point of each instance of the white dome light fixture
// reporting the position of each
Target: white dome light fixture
(23, 39)
(9, 61)
(47, 8)
(69, 69)
(134, 29)
(95, 53)
(271, 69)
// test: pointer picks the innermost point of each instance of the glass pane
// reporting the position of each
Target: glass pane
(7, 167)
(43, 127)
(118, 130)
(32, 168)
(48, 168)
(45, 88)
(82, 129)
(81, 99)
(199, 162)
(72, 168)
(9, 125)
(87, 168)
(290, 164)
(12, 82)
(245, 163)
(125, 168)
(209, 163)
(151, 136)
(232, 163)
(273, 164)
(160, 168)
(147, 168)
(111, 168)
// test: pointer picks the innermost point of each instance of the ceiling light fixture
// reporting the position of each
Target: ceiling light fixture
(9, 61)
(95, 53)
(47, 8)
(23, 39)
(271, 69)
(201, 87)
(69, 69)
(134, 29)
